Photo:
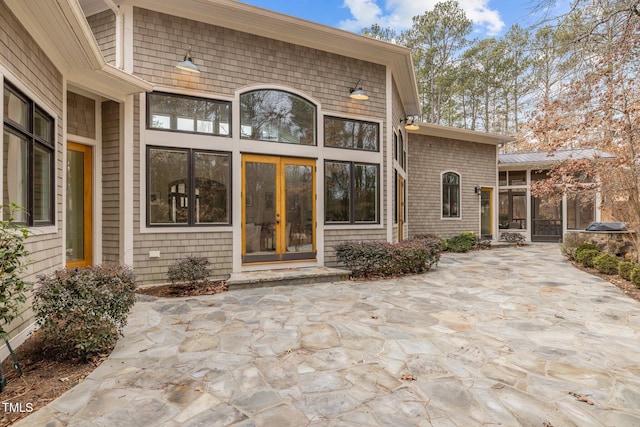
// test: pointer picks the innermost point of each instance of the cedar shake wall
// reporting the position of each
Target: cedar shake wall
(429, 158)
(81, 115)
(103, 25)
(20, 54)
(110, 181)
(231, 60)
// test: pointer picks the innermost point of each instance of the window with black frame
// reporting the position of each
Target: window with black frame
(354, 134)
(277, 116)
(28, 153)
(450, 195)
(188, 187)
(351, 192)
(181, 113)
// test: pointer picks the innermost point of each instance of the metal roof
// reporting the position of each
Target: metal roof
(551, 157)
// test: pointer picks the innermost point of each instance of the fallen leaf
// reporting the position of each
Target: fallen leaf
(582, 398)
(407, 377)
(64, 379)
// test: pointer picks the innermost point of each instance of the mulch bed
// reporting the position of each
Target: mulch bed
(624, 285)
(184, 290)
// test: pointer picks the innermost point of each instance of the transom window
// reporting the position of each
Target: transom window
(277, 116)
(28, 153)
(351, 192)
(188, 114)
(188, 187)
(346, 133)
(450, 195)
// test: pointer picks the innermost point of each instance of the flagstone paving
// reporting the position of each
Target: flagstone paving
(510, 336)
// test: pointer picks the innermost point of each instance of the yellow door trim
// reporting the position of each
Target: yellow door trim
(87, 152)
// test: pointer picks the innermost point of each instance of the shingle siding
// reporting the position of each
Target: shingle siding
(20, 54)
(429, 158)
(103, 25)
(110, 181)
(81, 115)
(231, 60)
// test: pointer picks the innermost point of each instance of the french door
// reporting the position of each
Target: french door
(79, 205)
(278, 209)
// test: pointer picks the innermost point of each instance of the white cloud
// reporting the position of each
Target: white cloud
(397, 14)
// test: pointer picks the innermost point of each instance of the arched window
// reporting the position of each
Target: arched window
(450, 195)
(278, 116)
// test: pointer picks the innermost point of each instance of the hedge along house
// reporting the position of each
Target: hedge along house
(453, 182)
(543, 219)
(261, 160)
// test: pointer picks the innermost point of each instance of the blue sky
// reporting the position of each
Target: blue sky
(490, 17)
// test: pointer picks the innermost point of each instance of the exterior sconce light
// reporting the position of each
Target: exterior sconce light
(477, 190)
(358, 93)
(187, 64)
(410, 123)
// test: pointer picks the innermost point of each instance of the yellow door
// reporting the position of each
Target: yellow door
(486, 213)
(278, 209)
(400, 208)
(79, 206)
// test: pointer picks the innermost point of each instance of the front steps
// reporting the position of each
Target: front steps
(284, 277)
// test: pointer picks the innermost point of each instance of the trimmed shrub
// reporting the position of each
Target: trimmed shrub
(463, 242)
(434, 242)
(512, 237)
(606, 263)
(584, 247)
(635, 276)
(190, 269)
(586, 256)
(382, 259)
(570, 242)
(13, 260)
(82, 311)
(625, 268)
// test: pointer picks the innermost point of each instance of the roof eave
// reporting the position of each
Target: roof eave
(60, 28)
(429, 129)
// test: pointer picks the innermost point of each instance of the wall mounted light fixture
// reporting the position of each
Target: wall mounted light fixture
(358, 93)
(410, 123)
(478, 190)
(187, 64)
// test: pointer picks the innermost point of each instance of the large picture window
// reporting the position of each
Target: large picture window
(188, 114)
(355, 134)
(450, 195)
(188, 187)
(351, 192)
(278, 116)
(28, 153)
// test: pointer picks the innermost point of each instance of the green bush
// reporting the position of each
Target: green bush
(584, 247)
(570, 242)
(463, 242)
(635, 276)
(606, 263)
(191, 269)
(625, 268)
(586, 256)
(82, 311)
(382, 259)
(13, 259)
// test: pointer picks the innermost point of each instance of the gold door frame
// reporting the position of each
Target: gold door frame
(87, 205)
(280, 253)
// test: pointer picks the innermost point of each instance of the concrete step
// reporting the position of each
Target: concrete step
(285, 277)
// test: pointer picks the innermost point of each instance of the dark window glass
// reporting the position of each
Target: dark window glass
(580, 211)
(188, 114)
(346, 133)
(450, 195)
(278, 116)
(517, 178)
(28, 149)
(187, 187)
(351, 192)
(513, 209)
